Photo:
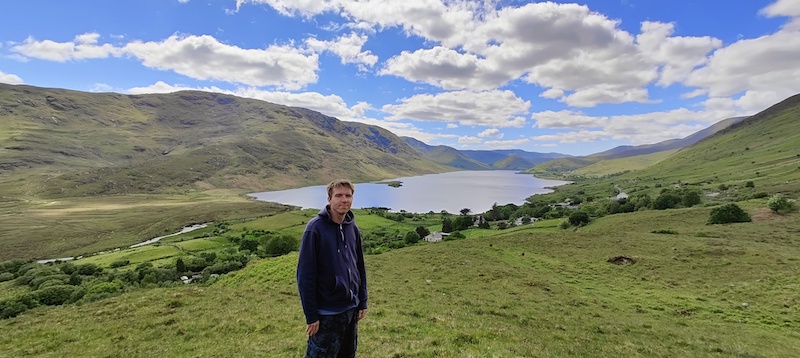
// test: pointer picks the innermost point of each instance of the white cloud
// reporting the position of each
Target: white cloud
(567, 119)
(490, 109)
(764, 64)
(506, 144)
(82, 47)
(573, 137)
(101, 87)
(778, 8)
(452, 125)
(349, 48)
(678, 55)
(491, 133)
(10, 78)
(469, 140)
(205, 58)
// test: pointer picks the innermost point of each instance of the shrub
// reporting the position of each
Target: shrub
(102, 290)
(223, 267)
(749, 184)
(281, 245)
(578, 218)
(779, 204)
(411, 237)
(6, 276)
(11, 308)
(728, 213)
(667, 200)
(55, 295)
(120, 263)
(12, 266)
(668, 232)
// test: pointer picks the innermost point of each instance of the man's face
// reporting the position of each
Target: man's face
(341, 199)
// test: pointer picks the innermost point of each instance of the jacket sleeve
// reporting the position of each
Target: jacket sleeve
(307, 274)
(362, 293)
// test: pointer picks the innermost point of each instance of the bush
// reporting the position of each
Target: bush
(55, 295)
(281, 245)
(667, 200)
(780, 204)
(411, 237)
(223, 267)
(102, 290)
(11, 308)
(6, 276)
(728, 213)
(12, 266)
(120, 263)
(578, 218)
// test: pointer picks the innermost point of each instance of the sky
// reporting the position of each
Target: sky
(564, 77)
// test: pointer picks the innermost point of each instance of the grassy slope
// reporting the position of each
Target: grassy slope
(616, 166)
(476, 297)
(76, 226)
(60, 143)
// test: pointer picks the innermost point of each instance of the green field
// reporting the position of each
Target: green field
(706, 291)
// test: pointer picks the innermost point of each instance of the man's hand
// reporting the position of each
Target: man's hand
(361, 314)
(312, 328)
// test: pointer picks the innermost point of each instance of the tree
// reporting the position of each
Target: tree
(690, 198)
(667, 200)
(447, 225)
(578, 218)
(422, 231)
(249, 245)
(411, 237)
(180, 266)
(779, 204)
(728, 213)
(465, 211)
(281, 245)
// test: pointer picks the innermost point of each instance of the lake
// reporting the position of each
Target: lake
(476, 190)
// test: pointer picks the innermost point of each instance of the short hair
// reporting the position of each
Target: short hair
(338, 183)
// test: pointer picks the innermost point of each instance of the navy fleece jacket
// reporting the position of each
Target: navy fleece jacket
(330, 271)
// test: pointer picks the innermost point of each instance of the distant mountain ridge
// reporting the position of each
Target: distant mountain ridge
(506, 159)
(567, 164)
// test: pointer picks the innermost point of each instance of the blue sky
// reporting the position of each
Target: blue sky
(573, 78)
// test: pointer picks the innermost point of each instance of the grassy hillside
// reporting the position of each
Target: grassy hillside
(513, 162)
(60, 143)
(621, 165)
(704, 291)
(764, 149)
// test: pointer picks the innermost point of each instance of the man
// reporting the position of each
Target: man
(331, 276)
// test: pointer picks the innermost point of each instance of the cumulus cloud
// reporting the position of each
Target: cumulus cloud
(506, 144)
(10, 78)
(491, 108)
(491, 133)
(573, 137)
(82, 47)
(678, 55)
(567, 119)
(469, 140)
(767, 63)
(205, 58)
(348, 48)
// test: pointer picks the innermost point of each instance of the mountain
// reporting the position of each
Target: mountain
(446, 155)
(68, 143)
(763, 149)
(629, 151)
(507, 159)
(574, 163)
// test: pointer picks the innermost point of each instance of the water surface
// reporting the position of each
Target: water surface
(474, 190)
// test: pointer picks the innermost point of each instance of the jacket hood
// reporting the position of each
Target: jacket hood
(349, 217)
